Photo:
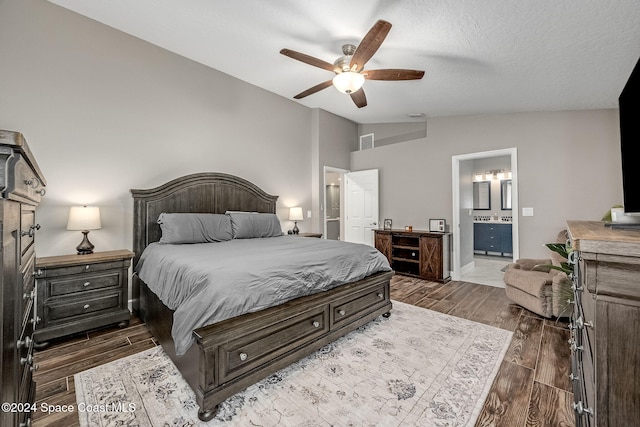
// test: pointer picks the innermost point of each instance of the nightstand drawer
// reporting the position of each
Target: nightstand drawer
(63, 310)
(81, 269)
(84, 283)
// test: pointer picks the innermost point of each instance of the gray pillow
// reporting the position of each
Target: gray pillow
(251, 225)
(194, 227)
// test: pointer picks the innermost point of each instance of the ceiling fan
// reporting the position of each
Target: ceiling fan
(349, 69)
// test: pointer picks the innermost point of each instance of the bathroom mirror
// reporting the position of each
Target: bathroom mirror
(482, 195)
(505, 194)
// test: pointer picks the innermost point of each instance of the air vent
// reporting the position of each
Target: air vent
(366, 141)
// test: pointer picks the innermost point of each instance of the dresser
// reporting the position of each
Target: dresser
(76, 293)
(416, 253)
(605, 325)
(22, 187)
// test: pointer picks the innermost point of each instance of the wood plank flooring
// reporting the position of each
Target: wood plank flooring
(532, 387)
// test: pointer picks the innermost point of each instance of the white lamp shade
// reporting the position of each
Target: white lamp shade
(348, 81)
(295, 214)
(84, 218)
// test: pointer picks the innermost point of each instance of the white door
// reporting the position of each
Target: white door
(361, 202)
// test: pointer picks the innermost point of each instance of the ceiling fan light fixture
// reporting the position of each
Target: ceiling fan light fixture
(348, 82)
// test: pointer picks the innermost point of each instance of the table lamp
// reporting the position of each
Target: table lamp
(84, 218)
(295, 215)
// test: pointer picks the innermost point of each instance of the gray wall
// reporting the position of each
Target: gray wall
(568, 168)
(105, 112)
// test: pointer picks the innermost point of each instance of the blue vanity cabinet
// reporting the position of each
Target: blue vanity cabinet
(492, 237)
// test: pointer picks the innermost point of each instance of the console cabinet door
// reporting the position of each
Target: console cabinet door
(431, 257)
(383, 244)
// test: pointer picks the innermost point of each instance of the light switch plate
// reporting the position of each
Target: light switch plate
(527, 211)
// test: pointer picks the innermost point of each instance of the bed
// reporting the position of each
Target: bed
(230, 355)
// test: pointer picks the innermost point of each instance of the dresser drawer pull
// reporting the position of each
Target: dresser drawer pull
(29, 295)
(26, 360)
(35, 320)
(25, 343)
(85, 284)
(41, 192)
(26, 423)
(380, 295)
(32, 230)
(34, 368)
(33, 182)
(243, 356)
(573, 377)
(341, 312)
(86, 306)
(580, 409)
(575, 347)
(86, 267)
(316, 324)
(580, 323)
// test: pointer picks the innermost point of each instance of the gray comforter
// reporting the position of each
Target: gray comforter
(208, 282)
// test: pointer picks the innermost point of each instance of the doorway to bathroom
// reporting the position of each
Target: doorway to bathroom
(485, 208)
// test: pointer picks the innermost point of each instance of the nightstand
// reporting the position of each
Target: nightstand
(76, 293)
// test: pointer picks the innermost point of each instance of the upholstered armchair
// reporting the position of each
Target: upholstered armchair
(537, 288)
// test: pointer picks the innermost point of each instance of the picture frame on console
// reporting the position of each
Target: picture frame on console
(387, 224)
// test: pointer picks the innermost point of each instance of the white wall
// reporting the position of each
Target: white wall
(568, 168)
(104, 112)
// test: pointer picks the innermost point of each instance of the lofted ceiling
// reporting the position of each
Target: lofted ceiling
(480, 56)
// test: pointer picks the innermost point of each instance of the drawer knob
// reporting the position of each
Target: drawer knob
(26, 423)
(26, 360)
(41, 192)
(575, 347)
(380, 295)
(25, 343)
(35, 320)
(86, 306)
(580, 409)
(341, 312)
(86, 267)
(573, 377)
(316, 324)
(34, 368)
(580, 323)
(85, 284)
(243, 356)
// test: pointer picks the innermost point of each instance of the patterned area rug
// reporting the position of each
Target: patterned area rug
(418, 367)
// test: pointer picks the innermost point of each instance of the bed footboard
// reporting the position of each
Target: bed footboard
(230, 356)
(239, 352)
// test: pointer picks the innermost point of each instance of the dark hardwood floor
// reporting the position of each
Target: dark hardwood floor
(532, 387)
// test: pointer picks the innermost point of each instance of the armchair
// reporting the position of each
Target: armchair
(539, 289)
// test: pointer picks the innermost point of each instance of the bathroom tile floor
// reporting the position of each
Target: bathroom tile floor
(487, 270)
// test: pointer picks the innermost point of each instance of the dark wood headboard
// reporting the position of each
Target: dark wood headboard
(207, 192)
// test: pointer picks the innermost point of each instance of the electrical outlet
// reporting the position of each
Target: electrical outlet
(308, 214)
(527, 211)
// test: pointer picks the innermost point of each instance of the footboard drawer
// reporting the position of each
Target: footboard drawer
(246, 353)
(345, 311)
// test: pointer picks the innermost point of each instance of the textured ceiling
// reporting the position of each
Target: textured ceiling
(480, 56)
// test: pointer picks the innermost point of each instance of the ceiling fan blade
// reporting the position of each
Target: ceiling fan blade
(393, 74)
(308, 59)
(312, 90)
(370, 44)
(359, 98)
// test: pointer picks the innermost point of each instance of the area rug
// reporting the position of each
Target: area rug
(416, 368)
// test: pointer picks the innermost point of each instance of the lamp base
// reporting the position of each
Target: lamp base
(85, 247)
(295, 227)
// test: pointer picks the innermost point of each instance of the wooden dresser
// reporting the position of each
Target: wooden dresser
(22, 187)
(416, 253)
(605, 326)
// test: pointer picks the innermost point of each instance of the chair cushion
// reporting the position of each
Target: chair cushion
(536, 283)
